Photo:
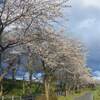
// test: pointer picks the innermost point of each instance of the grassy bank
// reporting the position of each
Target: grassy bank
(16, 89)
(95, 92)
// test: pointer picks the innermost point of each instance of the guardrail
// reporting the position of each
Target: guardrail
(10, 98)
(17, 98)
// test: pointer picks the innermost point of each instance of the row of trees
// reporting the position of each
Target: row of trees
(28, 40)
(20, 20)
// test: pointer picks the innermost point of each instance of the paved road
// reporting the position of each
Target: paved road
(86, 96)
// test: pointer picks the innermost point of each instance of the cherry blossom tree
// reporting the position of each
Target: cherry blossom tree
(19, 19)
(59, 54)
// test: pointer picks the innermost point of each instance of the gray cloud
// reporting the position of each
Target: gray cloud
(85, 24)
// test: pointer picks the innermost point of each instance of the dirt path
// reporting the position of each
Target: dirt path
(86, 96)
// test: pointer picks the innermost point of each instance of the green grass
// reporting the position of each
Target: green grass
(70, 97)
(96, 93)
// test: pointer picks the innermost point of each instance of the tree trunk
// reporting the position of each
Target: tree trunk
(30, 82)
(1, 88)
(30, 78)
(66, 91)
(23, 86)
(1, 51)
(13, 74)
(1, 76)
(46, 89)
(46, 83)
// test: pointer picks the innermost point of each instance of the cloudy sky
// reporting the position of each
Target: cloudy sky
(84, 23)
